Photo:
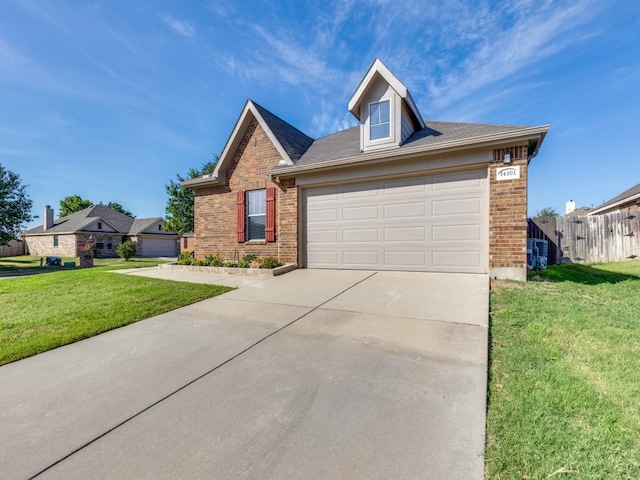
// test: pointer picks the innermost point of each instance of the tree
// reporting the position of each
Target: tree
(73, 204)
(119, 208)
(546, 212)
(180, 202)
(15, 206)
(126, 250)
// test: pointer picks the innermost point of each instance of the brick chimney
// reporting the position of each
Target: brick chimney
(48, 217)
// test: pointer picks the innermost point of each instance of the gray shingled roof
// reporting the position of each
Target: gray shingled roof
(635, 190)
(294, 142)
(346, 144)
(141, 224)
(79, 221)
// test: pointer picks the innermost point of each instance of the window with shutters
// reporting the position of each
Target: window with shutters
(256, 214)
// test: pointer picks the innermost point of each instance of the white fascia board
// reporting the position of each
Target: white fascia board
(523, 134)
(614, 205)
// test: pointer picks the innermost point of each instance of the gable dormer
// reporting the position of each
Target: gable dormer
(384, 108)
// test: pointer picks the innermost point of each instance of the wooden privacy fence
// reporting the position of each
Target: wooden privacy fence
(15, 248)
(613, 237)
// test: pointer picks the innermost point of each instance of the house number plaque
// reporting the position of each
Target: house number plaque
(507, 173)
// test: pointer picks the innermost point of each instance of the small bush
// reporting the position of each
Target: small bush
(248, 258)
(126, 250)
(185, 258)
(229, 264)
(243, 264)
(215, 260)
(198, 262)
(270, 262)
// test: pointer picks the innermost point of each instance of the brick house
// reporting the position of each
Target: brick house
(103, 226)
(393, 193)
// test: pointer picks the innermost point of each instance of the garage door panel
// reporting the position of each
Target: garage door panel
(455, 259)
(405, 260)
(405, 210)
(405, 234)
(456, 206)
(323, 236)
(322, 215)
(369, 212)
(364, 235)
(426, 223)
(364, 259)
(456, 233)
(324, 258)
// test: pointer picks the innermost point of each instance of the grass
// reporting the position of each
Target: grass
(41, 312)
(564, 390)
(28, 264)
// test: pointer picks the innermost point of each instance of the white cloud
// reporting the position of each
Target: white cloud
(181, 27)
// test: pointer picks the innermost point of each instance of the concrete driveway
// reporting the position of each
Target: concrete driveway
(315, 374)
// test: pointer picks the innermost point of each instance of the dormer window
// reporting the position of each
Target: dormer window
(380, 118)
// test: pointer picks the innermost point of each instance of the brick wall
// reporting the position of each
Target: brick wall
(42, 245)
(215, 208)
(508, 217)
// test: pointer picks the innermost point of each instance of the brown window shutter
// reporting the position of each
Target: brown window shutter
(270, 227)
(240, 216)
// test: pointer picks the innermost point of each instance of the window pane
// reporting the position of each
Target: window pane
(384, 111)
(256, 202)
(255, 227)
(374, 113)
(379, 131)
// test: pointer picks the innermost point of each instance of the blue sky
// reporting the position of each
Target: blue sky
(109, 100)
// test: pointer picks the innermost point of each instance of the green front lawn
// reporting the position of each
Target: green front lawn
(564, 390)
(29, 264)
(41, 312)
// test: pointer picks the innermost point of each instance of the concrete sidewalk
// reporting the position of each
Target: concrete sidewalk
(314, 374)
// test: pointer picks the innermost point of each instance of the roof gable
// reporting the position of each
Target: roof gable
(380, 70)
(290, 142)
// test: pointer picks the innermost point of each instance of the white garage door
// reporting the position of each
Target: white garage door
(427, 223)
(159, 247)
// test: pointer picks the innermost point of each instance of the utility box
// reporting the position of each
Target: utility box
(537, 253)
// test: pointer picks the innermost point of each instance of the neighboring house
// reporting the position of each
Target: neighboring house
(580, 211)
(106, 228)
(187, 242)
(626, 201)
(394, 193)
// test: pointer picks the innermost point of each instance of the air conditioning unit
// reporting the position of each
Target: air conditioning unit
(537, 253)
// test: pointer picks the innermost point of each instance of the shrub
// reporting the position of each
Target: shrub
(185, 258)
(248, 258)
(214, 260)
(270, 262)
(198, 262)
(229, 264)
(243, 264)
(126, 250)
